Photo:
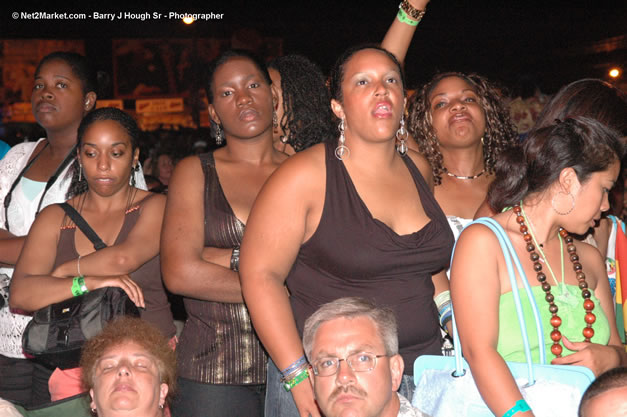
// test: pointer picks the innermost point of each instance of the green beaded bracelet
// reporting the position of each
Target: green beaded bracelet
(404, 18)
(288, 385)
(520, 407)
(78, 286)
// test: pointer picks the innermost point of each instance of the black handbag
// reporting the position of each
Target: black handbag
(57, 332)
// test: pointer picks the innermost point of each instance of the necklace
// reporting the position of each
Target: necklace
(463, 177)
(588, 304)
(540, 247)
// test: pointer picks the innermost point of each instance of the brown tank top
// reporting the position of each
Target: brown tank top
(353, 254)
(148, 276)
(218, 344)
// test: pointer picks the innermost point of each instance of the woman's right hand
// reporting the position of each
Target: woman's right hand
(304, 398)
(125, 282)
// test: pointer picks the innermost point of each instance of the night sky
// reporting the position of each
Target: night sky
(554, 41)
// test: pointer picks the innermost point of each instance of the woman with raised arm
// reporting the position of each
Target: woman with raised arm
(57, 258)
(557, 184)
(350, 217)
(222, 365)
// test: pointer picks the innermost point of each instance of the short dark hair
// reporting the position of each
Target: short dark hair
(337, 73)
(614, 378)
(136, 330)
(80, 66)
(580, 143)
(226, 56)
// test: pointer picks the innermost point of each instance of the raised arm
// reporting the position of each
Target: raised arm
(277, 226)
(475, 293)
(140, 246)
(185, 271)
(33, 286)
(400, 34)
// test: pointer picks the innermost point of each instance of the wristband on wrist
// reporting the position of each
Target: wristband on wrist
(404, 18)
(303, 375)
(78, 286)
(520, 407)
(296, 364)
(235, 259)
(411, 11)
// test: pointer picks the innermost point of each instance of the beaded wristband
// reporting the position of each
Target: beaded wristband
(78, 286)
(303, 375)
(520, 407)
(404, 18)
(296, 364)
(412, 12)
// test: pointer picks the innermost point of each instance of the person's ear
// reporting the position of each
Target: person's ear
(337, 109)
(568, 181)
(213, 115)
(90, 101)
(397, 366)
(92, 404)
(163, 392)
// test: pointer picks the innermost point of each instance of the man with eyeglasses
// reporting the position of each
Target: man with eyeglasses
(352, 346)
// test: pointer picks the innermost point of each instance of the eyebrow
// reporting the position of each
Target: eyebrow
(360, 348)
(463, 91)
(54, 76)
(95, 146)
(134, 355)
(230, 82)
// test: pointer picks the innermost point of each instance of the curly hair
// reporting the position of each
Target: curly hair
(499, 135)
(307, 116)
(135, 330)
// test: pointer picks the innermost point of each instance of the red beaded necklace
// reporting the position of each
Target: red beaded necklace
(588, 304)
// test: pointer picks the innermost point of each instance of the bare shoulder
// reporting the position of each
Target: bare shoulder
(150, 200)
(423, 166)
(303, 169)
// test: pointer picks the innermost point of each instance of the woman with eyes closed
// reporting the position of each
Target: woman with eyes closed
(32, 176)
(354, 217)
(57, 254)
(222, 365)
(461, 126)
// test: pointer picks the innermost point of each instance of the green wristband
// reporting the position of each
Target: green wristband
(288, 385)
(404, 18)
(520, 407)
(78, 286)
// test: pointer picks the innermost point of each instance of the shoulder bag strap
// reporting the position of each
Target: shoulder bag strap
(80, 222)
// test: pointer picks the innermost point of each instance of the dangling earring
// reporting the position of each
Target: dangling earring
(275, 122)
(342, 150)
(401, 136)
(482, 142)
(219, 138)
(80, 172)
(133, 180)
(283, 139)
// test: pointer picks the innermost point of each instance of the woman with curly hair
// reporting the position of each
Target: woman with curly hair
(461, 127)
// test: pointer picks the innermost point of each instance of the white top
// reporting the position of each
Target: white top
(21, 215)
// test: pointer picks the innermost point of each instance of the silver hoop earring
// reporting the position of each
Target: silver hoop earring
(401, 136)
(572, 203)
(342, 150)
(219, 138)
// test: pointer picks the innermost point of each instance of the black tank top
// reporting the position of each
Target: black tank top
(353, 254)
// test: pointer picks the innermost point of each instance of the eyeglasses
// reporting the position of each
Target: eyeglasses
(358, 362)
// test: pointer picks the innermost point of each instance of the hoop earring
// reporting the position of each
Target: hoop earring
(283, 139)
(342, 150)
(401, 136)
(572, 203)
(219, 138)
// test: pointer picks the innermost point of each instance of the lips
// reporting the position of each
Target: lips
(459, 117)
(383, 109)
(248, 115)
(124, 388)
(44, 107)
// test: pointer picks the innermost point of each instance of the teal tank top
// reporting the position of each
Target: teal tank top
(568, 299)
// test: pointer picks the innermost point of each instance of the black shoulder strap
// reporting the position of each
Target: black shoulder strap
(80, 222)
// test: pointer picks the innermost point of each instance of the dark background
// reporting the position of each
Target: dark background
(555, 41)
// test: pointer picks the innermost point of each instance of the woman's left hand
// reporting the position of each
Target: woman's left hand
(598, 358)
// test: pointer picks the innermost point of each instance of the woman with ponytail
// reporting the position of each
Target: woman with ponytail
(556, 184)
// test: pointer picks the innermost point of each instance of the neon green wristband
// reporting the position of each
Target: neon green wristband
(288, 385)
(520, 407)
(404, 18)
(78, 286)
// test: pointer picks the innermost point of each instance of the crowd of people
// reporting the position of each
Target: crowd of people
(311, 244)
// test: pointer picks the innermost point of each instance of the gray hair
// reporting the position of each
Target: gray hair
(349, 308)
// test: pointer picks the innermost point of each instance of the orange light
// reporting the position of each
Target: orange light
(188, 20)
(614, 72)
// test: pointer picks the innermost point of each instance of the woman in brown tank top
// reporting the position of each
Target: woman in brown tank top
(221, 362)
(332, 213)
(56, 254)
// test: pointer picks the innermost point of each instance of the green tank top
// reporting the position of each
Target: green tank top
(568, 299)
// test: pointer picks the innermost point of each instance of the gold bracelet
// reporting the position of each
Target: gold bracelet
(411, 11)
